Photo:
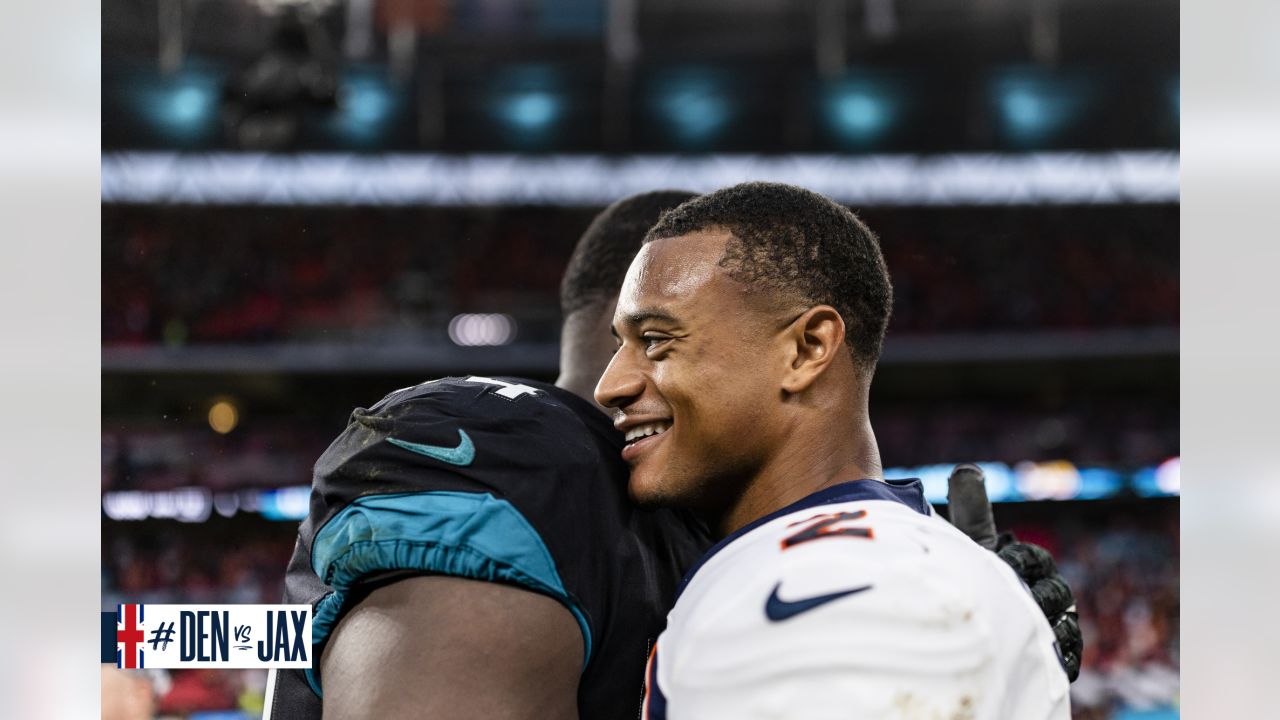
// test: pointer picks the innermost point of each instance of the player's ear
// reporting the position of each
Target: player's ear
(813, 340)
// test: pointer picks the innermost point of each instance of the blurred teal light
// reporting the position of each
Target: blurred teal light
(860, 114)
(1035, 106)
(528, 102)
(860, 111)
(189, 104)
(1027, 109)
(695, 106)
(531, 111)
(183, 108)
(367, 102)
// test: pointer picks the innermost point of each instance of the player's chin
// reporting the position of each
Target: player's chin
(645, 488)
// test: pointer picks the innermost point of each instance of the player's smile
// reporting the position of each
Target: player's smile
(641, 436)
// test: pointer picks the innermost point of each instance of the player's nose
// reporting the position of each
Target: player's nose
(621, 384)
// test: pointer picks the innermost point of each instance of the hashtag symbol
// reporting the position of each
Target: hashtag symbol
(162, 634)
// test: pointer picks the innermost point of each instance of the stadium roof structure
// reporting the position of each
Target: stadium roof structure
(1071, 178)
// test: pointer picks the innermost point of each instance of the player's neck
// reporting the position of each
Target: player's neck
(810, 463)
(585, 349)
(580, 385)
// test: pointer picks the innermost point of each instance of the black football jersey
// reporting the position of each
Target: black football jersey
(500, 480)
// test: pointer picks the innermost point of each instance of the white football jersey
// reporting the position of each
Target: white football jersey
(855, 603)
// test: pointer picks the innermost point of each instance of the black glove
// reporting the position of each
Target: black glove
(968, 506)
(1035, 566)
(970, 511)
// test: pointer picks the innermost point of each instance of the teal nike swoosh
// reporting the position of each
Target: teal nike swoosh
(460, 456)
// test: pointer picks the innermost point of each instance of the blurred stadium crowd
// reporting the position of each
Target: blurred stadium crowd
(276, 454)
(233, 275)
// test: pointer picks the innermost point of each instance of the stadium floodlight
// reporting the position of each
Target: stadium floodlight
(1036, 107)
(1169, 476)
(530, 111)
(286, 503)
(693, 105)
(482, 329)
(1053, 480)
(860, 111)
(182, 107)
(188, 504)
(189, 104)
(223, 416)
(528, 103)
(367, 104)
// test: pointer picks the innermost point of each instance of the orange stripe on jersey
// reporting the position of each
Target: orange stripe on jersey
(649, 681)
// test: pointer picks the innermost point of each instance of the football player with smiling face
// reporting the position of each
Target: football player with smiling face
(470, 550)
(749, 327)
(735, 397)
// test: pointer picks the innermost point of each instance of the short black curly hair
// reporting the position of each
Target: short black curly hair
(604, 252)
(801, 244)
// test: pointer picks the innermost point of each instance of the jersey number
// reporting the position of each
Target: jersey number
(828, 525)
(510, 391)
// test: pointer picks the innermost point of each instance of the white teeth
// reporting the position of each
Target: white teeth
(654, 428)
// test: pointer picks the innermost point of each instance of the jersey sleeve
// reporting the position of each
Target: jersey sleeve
(474, 478)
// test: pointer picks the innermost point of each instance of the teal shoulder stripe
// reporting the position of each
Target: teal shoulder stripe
(471, 535)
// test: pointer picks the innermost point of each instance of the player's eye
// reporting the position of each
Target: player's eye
(653, 340)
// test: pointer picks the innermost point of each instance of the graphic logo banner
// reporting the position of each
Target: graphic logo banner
(210, 636)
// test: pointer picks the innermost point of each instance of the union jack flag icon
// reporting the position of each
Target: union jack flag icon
(129, 636)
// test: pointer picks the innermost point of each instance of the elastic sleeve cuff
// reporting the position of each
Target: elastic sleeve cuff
(469, 535)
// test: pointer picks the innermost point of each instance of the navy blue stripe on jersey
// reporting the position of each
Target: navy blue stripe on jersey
(908, 492)
(469, 535)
